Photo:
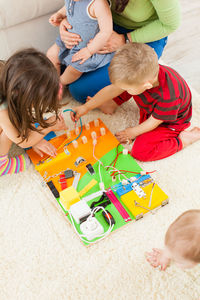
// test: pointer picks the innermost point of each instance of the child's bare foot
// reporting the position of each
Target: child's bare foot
(158, 258)
(126, 135)
(109, 107)
(189, 137)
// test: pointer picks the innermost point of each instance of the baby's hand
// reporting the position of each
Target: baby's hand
(56, 19)
(157, 258)
(44, 147)
(82, 55)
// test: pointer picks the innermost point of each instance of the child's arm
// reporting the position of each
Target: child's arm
(34, 136)
(104, 95)
(132, 132)
(102, 12)
(148, 125)
(56, 18)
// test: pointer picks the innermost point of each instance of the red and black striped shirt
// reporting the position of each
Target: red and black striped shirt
(170, 101)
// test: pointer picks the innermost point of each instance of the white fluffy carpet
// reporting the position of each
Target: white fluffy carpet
(42, 258)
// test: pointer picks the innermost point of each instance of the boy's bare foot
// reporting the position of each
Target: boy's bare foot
(158, 258)
(109, 107)
(126, 135)
(189, 137)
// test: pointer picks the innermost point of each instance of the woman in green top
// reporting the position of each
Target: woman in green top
(140, 21)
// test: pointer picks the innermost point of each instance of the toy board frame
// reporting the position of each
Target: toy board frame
(106, 155)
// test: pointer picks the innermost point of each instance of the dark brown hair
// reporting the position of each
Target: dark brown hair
(120, 5)
(29, 83)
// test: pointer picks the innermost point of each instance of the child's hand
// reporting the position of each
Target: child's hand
(44, 147)
(157, 258)
(60, 124)
(56, 19)
(79, 112)
(126, 135)
(82, 55)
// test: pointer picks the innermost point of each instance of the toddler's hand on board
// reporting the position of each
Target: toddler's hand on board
(126, 135)
(44, 147)
(157, 258)
(82, 55)
(56, 19)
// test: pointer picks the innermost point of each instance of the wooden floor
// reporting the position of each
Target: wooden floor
(183, 49)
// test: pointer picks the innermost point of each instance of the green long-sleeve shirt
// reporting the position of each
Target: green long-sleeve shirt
(151, 20)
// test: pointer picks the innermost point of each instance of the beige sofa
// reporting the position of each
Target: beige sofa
(24, 23)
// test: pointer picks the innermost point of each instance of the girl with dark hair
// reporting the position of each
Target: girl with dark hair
(140, 21)
(29, 87)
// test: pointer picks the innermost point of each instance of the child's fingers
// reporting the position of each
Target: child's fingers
(38, 152)
(72, 115)
(156, 250)
(82, 61)
(148, 254)
(151, 258)
(152, 263)
(75, 116)
(60, 116)
(163, 267)
(76, 57)
(50, 149)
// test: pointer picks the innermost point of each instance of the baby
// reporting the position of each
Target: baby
(182, 243)
(92, 20)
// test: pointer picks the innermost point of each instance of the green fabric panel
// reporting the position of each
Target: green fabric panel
(124, 162)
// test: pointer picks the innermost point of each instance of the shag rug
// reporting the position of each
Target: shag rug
(41, 257)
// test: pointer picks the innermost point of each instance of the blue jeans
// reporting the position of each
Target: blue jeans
(92, 82)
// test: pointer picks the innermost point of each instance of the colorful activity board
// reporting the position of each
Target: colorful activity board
(96, 182)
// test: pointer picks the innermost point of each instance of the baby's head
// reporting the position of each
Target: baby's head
(182, 240)
(134, 68)
(29, 83)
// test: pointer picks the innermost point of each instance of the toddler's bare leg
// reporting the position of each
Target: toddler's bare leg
(52, 54)
(70, 75)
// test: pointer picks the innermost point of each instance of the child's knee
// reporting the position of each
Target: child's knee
(141, 151)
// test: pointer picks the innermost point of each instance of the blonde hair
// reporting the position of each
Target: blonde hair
(183, 235)
(134, 63)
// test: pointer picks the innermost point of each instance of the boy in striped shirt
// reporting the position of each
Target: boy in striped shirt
(163, 98)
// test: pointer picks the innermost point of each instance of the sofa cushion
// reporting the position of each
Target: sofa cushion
(34, 33)
(13, 12)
